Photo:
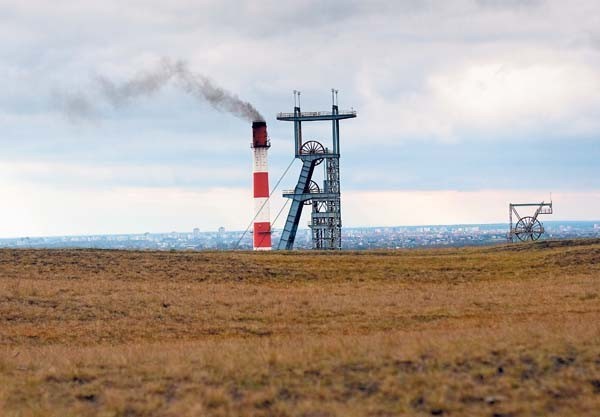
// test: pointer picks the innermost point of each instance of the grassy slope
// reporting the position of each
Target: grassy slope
(506, 331)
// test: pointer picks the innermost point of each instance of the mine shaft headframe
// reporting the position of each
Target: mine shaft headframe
(527, 228)
(326, 220)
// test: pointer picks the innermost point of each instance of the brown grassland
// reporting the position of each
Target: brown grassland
(495, 331)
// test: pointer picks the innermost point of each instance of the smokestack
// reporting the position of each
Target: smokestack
(262, 220)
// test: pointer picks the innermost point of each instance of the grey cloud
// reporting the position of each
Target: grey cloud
(264, 49)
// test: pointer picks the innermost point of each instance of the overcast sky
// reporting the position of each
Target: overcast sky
(463, 106)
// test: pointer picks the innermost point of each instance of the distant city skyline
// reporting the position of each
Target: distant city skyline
(463, 106)
(392, 237)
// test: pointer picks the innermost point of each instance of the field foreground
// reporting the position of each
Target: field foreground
(500, 331)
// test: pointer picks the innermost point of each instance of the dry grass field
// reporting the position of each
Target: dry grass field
(496, 331)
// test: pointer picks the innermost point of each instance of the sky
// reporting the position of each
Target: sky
(463, 106)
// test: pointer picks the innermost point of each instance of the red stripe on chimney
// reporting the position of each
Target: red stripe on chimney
(261, 184)
(262, 235)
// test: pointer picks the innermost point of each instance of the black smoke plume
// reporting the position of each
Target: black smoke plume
(78, 106)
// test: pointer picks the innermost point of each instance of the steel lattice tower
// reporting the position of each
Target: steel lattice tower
(326, 218)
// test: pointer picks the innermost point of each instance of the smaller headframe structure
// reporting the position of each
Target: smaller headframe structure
(527, 228)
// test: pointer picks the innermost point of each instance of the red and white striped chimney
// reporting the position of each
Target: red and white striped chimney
(262, 220)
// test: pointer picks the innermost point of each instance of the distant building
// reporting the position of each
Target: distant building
(196, 232)
(220, 236)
